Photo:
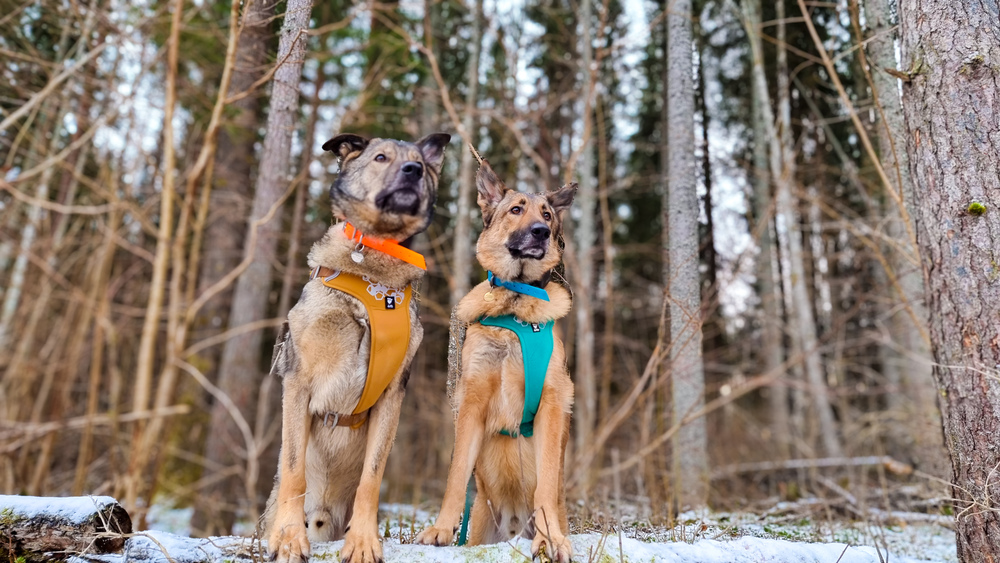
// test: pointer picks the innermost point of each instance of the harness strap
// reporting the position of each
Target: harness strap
(389, 318)
(332, 419)
(536, 350)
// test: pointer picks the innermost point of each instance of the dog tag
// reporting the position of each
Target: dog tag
(488, 297)
(357, 257)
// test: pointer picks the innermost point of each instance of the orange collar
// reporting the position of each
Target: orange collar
(386, 246)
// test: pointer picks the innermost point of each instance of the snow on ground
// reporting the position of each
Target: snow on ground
(707, 538)
(596, 548)
(76, 510)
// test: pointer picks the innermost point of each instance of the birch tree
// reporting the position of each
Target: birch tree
(690, 446)
(952, 112)
(781, 162)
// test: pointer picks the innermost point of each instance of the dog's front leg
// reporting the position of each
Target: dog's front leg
(361, 542)
(550, 426)
(288, 541)
(470, 428)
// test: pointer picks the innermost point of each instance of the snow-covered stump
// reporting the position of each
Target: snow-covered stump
(48, 528)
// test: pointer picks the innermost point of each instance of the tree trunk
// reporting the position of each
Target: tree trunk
(771, 354)
(914, 364)
(44, 529)
(951, 105)
(230, 196)
(782, 164)
(586, 380)
(240, 372)
(463, 223)
(690, 445)
(151, 321)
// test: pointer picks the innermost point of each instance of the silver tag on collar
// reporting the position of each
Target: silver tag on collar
(357, 256)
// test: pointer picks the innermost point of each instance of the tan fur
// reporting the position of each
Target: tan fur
(519, 481)
(328, 478)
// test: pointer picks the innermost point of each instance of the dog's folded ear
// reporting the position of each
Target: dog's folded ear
(346, 144)
(490, 191)
(561, 199)
(432, 148)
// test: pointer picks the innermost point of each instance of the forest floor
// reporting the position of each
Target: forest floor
(789, 532)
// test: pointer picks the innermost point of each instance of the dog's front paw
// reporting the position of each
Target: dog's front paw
(556, 548)
(361, 548)
(289, 543)
(436, 536)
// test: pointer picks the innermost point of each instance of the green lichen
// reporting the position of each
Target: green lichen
(7, 517)
(976, 208)
(971, 63)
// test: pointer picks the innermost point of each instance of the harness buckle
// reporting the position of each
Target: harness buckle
(336, 419)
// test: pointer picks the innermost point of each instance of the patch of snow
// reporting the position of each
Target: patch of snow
(157, 547)
(74, 510)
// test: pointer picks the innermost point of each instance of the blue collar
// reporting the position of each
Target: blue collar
(516, 287)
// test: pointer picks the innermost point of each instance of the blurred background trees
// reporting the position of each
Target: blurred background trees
(161, 182)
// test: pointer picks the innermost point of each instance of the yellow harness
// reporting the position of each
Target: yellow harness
(389, 318)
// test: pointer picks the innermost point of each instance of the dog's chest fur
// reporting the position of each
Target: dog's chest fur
(331, 330)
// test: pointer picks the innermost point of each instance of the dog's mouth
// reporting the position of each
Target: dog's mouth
(531, 252)
(404, 200)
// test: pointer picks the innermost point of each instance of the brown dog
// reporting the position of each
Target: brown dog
(519, 481)
(333, 457)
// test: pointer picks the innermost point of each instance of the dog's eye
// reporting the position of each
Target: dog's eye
(380, 158)
(547, 215)
(516, 210)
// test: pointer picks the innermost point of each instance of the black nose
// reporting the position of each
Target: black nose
(413, 169)
(540, 231)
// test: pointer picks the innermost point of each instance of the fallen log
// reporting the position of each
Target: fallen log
(47, 528)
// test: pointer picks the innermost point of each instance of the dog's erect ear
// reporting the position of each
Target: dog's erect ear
(432, 147)
(346, 144)
(561, 199)
(490, 191)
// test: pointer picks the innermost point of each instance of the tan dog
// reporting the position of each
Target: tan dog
(332, 459)
(519, 481)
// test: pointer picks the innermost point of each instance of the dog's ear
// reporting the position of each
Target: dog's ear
(490, 191)
(345, 144)
(432, 147)
(561, 199)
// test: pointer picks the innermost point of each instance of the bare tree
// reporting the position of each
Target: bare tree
(763, 213)
(463, 222)
(951, 105)
(151, 323)
(910, 356)
(585, 409)
(782, 164)
(234, 168)
(240, 372)
(690, 445)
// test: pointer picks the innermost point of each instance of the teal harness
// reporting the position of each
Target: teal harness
(536, 350)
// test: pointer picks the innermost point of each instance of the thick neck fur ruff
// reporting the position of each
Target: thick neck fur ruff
(472, 307)
(334, 251)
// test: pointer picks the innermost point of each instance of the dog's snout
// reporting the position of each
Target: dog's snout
(413, 169)
(540, 231)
